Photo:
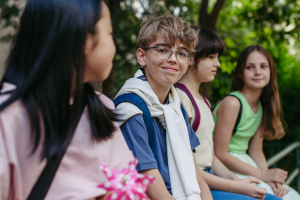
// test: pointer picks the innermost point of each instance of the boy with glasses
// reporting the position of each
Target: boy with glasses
(164, 145)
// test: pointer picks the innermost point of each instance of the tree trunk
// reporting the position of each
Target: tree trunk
(209, 21)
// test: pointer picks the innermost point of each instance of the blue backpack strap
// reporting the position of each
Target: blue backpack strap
(139, 102)
(182, 109)
(238, 117)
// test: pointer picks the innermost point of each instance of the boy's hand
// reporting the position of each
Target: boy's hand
(278, 189)
(246, 188)
(275, 175)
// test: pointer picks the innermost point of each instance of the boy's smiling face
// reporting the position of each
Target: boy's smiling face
(161, 73)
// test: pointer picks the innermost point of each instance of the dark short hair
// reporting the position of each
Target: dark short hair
(208, 43)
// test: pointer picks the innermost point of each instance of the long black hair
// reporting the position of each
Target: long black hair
(208, 43)
(47, 62)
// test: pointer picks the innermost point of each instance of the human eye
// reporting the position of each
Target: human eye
(112, 33)
(183, 53)
(249, 67)
(264, 66)
(162, 50)
(212, 56)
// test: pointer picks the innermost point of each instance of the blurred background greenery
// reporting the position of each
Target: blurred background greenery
(274, 24)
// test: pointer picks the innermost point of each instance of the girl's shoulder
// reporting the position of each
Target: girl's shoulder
(105, 100)
(229, 103)
(16, 108)
(6, 90)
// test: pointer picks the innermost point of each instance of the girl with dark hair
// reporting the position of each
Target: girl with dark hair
(49, 113)
(202, 68)
(253, 111)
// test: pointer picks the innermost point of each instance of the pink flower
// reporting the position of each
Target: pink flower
(127, 184)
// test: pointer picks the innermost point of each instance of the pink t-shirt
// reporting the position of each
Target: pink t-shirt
(78, 174)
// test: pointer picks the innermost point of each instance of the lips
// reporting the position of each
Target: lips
(214, 71)
(170, 69)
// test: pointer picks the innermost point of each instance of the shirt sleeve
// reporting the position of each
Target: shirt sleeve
(193, 137)
(135, 133)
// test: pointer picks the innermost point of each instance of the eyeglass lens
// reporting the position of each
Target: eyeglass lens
(165, 53)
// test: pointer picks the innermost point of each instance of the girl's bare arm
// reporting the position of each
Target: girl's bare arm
(158, 189)
(227, 114)
(257, 154)
(205, 191)
(221, 170)
(255, 150)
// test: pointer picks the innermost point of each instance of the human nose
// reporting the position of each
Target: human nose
(217, 63)
(173, 56)
(257, 70)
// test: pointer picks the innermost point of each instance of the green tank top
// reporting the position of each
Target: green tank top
(247, 127)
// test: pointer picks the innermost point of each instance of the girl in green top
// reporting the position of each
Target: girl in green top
(255, 85)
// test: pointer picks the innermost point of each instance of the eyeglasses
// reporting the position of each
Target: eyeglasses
(164, 53)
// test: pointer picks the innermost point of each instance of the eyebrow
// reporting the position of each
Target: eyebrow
(183, 47)
(168, 45)
(250, 63)
(162, 44)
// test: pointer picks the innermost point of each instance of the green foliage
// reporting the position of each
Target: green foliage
(270, 23)
(125, 26)
(7, 14)
(274, 25)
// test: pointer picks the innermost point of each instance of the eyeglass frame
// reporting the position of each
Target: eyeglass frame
(190, 54)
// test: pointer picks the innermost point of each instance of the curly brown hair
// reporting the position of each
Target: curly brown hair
(173, 28)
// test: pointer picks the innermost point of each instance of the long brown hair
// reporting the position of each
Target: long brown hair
(272, 122)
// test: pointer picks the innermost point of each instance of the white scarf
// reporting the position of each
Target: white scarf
(180, 160)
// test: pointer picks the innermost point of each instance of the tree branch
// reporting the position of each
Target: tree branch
(113, 5)
(203, 14)
(215, 13)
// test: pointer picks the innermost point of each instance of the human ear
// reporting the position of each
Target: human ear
(88, 44)
(141, 57)
(192, 61)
